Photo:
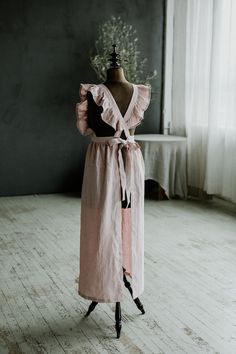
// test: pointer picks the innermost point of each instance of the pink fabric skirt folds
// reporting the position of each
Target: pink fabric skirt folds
(111, 237)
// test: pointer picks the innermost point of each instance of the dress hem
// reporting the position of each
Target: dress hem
(99, 300)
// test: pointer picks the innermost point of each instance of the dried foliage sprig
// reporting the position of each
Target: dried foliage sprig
(116, 31)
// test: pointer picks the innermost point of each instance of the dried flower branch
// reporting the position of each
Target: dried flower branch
(126, 40)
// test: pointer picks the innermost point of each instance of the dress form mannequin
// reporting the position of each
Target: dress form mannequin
(122, 91)
(120, 88)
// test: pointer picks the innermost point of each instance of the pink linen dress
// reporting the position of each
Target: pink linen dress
(111, 237)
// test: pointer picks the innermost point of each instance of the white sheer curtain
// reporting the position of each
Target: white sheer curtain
(209, 92)
(221, 152)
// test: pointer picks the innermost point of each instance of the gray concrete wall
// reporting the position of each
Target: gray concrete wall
(44, 49)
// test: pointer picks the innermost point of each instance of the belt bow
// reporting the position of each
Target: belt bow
(125, 170)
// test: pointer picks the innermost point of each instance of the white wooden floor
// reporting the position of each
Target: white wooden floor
(190, 281)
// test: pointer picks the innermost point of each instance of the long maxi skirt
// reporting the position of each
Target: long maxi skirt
(110, 237)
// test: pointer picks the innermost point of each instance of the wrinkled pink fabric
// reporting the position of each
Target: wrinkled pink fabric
(111, 237)
(127, 241)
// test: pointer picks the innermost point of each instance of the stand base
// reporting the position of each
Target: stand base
(118, 323)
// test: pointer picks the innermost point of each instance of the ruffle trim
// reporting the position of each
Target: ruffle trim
(137, 112)
(140, 106)
(107, 114)
(82, 111)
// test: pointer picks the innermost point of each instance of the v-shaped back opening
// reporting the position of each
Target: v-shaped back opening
(116, 105)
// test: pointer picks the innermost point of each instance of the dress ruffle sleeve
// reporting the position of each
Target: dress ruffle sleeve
(82, 111)
(142, 103)
(107, 114)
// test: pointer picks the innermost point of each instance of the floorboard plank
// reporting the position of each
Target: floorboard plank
(190, 282)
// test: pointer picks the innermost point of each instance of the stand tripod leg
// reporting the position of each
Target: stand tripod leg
(139, 305)
(91, 307)
(128, 286)
(127, 283)
(118, 319)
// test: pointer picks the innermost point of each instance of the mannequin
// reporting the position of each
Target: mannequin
(120, 88)
(122, 91)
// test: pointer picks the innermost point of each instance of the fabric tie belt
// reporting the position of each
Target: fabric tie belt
(125, 170)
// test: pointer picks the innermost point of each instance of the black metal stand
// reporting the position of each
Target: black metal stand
(118, 319)
(91, 307)
(137, 301)
(118, 324)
